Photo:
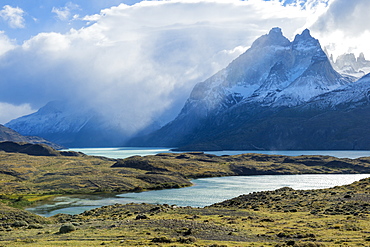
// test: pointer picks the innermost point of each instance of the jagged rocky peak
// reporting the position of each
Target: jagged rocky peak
(306, 37)
(274, 37)
(361, 59)
(349, 64)
(305, 42)
(273, 72)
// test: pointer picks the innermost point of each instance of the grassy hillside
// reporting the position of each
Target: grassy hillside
(23, 175)
(329, 217)
(285, 217)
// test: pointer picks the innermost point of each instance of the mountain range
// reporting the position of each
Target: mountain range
(351, 65)
(279, 94)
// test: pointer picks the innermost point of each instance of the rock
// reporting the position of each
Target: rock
(20, 223)
(35, 226)
(141, 217)
(163, 239)
(67, 228)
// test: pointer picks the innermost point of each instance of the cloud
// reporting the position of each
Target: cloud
(64, 13)
(9, 111)
(5, 43)
(134, 64)
(344, 27)
(14, 16)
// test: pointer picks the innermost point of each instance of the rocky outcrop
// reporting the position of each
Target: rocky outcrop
(7, 134)
(34, 149)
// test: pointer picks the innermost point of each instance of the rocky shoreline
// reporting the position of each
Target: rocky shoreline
(337, 216)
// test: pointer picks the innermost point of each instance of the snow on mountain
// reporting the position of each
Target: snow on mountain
(349, 96)
(241, 78)
(348, 64)
(54, 117)
(274, 72)
(272, 75)
(73, 125)
(318, 78)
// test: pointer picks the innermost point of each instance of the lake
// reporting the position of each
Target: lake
(124, 152)
(205, 191)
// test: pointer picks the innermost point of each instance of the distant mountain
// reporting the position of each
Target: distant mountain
(71, 125)
(349, 64)
(250, 103)
(7, 134)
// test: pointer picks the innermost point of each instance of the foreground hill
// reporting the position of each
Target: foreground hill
(34, 149)
(53, 172)
(284, 217)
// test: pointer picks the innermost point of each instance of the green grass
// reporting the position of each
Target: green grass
(329, 217)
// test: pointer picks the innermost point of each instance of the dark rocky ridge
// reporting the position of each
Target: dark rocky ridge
(34, 149)
(288, 129)
(7, 134)
(198, 164)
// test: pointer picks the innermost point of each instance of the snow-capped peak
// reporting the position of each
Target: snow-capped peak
(348, 64)
(273, 72)
(273, 38)
(54, 117)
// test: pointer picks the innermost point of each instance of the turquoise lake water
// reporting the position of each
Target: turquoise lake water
(205, 191)
(124, 152)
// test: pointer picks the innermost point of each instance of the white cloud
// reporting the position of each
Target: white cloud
(135, 63)
(9, 111)
(64, 13)
(47, 43)
(5, 43)
(14, 16)
(344, 27)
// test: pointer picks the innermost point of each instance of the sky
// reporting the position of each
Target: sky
(136, 62)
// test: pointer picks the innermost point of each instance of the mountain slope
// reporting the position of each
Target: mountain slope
(71, 125)
(7, 134)
(273, 75)
(337, 120)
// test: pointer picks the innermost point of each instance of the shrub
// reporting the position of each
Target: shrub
(35, 226)
(20, 223)
(188, 240)
(67, 228)
(163, 239)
